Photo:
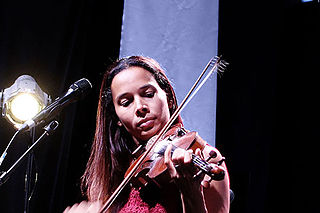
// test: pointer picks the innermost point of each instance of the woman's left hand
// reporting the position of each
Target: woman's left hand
(190, 189)
(179, 157)
(181, 170)
(185, 170)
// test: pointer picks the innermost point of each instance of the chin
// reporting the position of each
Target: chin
(146, 135)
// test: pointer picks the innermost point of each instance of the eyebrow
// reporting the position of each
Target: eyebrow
(146, 87)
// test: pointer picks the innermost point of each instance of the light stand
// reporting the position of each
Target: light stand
(19, 93)
(18, 103)
(28, 175)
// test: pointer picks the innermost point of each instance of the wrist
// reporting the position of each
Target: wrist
(192, 197)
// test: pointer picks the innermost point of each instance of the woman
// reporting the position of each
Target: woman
(136, 100)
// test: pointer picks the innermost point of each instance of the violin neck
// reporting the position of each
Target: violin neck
(204, 167)
(201, 164)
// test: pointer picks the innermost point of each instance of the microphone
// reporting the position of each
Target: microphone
(76, 91)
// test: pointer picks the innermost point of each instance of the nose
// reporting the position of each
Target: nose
(141, 108)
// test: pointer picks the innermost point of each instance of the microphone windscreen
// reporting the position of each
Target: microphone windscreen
(84, 86)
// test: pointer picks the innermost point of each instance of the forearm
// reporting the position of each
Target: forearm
(217, 196)
(214, 199)
(193, 199)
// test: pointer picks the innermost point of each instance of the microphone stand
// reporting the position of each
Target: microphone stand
(50, 128)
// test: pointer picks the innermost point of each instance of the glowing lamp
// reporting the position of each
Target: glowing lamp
(23, 100)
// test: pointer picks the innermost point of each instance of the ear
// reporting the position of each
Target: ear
(119, 123)
(170, 104)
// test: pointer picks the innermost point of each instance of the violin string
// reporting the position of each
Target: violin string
(199, 162)
(196, 160)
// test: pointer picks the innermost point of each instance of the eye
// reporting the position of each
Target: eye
(124, 102)
(149, 94)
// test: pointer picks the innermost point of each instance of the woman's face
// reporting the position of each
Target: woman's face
(140, 103)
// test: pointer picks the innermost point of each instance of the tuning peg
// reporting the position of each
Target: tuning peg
(219, 176)
(212, 154)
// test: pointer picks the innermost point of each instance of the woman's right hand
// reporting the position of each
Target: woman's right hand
(84, 207)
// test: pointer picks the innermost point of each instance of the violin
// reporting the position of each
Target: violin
(150, 164)
(153, 165)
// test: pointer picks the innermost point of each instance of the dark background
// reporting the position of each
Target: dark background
(267, 108)
(57, 42)
(266, 105)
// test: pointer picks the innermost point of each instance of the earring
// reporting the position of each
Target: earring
(119, 123)
(171, 106)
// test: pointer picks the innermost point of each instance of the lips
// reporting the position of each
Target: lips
(146, 123)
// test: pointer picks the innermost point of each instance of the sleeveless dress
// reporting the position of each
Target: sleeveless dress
(135, 204)
(152, 199)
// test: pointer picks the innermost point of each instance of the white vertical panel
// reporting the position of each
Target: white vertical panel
(182, 36)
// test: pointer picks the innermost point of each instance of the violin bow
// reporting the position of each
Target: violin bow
(216, 65)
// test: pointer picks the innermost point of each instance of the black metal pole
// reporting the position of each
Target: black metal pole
(48, 130)
(28, 175)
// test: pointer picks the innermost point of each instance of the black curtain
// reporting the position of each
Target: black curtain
(266, 108)
(57, 42)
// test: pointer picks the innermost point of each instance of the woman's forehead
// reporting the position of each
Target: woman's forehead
(131, 79)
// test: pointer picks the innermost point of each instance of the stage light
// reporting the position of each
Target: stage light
(23, 100)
